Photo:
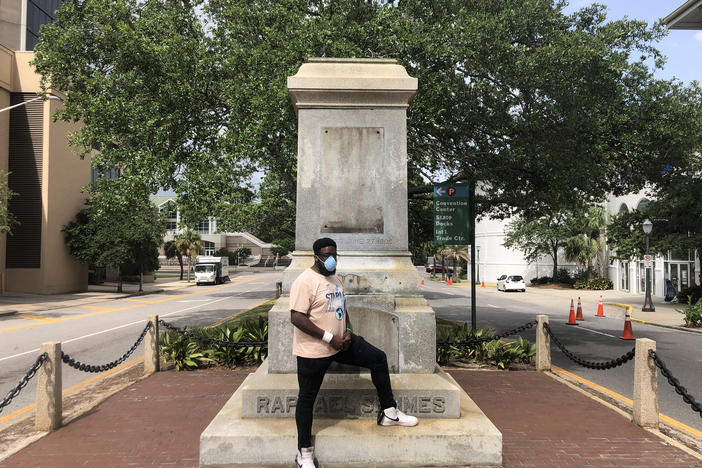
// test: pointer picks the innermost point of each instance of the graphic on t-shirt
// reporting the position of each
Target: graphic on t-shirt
(336, 302)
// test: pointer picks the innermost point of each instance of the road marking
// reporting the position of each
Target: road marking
(116, 328)
(496, 307)
(36, 317)
(105, 310)
(598, 332)
(673, 422)
(121, 366)
(139, 300)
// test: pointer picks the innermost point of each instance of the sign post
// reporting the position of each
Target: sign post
(454, 224)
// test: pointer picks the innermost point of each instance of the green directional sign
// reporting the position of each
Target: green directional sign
(451, 215)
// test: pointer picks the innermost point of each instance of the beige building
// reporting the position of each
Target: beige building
(213, 240)
(46, 173)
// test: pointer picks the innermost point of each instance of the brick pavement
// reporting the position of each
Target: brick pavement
(158, 421)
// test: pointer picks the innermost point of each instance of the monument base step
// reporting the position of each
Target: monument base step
(350, 395)
(232, 441)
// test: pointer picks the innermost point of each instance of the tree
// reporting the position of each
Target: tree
(172, 251)
(189, 244)
(115, 230)
(455, 252)
(514, 95)
(588, 240)
(542, 236)
(7, 219)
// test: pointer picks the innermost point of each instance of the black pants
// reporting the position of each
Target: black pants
(310, 374)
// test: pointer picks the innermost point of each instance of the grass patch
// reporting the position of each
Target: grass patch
(248, 315)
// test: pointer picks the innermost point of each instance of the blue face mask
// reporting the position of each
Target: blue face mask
(329, 264)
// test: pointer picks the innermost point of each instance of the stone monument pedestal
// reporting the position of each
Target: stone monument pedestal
(348, 440)
(352, 187)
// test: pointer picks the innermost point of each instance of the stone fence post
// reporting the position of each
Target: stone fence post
(48, 415)
(151, 357)
(645, 385)
(543, 344)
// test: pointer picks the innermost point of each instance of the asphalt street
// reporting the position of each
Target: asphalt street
(99, 333)
(594, 339)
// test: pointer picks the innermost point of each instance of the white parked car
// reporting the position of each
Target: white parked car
(511, 283)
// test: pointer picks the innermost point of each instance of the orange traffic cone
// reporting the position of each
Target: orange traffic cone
(628, 334)
(600, 309)
(571, 317)
(482, 285)
(579, 312)
(422, 281)
(449, 282)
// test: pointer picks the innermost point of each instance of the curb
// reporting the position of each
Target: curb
(646, 322)
(7, 313)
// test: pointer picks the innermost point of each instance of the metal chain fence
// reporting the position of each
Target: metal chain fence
(590, 364)
(475, 341)
(679, 389)
(208, 340)
(90, 368)
(24, 380)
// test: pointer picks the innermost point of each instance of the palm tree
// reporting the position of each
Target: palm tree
(189, 244)
(172, 251)
(456, 252)
(588, 241)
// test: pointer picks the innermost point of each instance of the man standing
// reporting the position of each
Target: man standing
(322, 334)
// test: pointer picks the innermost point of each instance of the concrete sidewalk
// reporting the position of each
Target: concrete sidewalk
(158, 420)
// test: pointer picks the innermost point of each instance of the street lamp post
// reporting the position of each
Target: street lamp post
(648, 303)
(477, 266)
(50, 97)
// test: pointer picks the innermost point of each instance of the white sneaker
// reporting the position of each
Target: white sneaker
(305, 458)
(395, 417)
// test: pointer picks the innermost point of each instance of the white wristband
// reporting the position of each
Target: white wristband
(327, 337)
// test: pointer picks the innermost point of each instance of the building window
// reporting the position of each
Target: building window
(204, 227)
(209, 247)
(39, 12)
(172, 216)
(642, 205)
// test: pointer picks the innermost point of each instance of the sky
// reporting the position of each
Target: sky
(682, 48)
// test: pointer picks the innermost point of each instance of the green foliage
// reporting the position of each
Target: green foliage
(185, 354)
(564, 276)
(693, 293)
(279, 250)
(119, 226)
(693, 313)
(192, 97)
(223, 252)
(189, 244)
(593, 283)
(544, 235)
(190, 354)
(495, 352)
(7, 219)
(541, 280)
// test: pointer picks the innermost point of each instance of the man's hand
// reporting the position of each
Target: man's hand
(346, 341)
(341, 344)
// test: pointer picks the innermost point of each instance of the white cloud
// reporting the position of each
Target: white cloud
(698, 36)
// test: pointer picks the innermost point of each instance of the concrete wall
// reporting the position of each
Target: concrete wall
(63, 176)
(6, 59)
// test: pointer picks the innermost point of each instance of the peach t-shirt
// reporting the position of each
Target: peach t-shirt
(322, 299)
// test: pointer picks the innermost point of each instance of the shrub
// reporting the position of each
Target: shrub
(541, 280)
(693, 313)
(563, 276)
(594, 283)
(695, 292)
(186, 354)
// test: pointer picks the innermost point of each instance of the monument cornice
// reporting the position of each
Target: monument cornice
(351, 83)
